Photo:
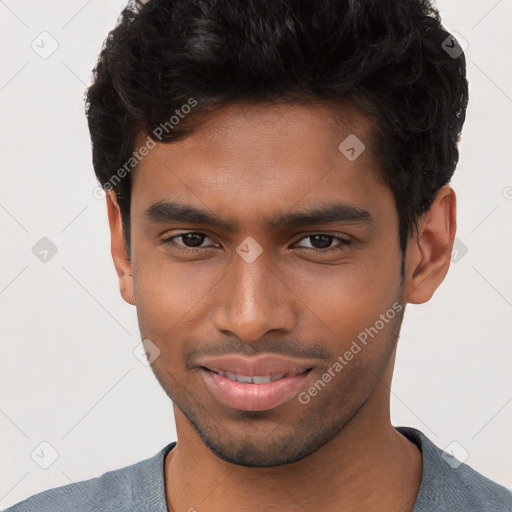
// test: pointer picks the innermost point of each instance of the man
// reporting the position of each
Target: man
(277, 176)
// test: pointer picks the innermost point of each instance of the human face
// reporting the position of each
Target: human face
(317, 284)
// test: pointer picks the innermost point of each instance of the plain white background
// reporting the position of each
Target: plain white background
(68, 375)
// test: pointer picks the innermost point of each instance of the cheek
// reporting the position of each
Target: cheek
(169, 293)
(349, 295)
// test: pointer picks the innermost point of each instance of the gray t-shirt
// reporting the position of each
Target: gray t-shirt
(445, 486)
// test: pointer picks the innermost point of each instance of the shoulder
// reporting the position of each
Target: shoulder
(136, 487)
(449, 484)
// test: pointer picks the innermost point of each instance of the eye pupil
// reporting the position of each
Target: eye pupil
(324, 241)
(196, 239)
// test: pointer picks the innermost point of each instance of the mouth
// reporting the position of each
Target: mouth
(267, 365)
(254, 384)
(255, 379)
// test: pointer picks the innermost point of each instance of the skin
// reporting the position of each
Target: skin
(247, 163)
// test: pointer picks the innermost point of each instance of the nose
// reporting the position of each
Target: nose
(254, 300)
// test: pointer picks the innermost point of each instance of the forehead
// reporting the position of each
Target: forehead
(261, 157)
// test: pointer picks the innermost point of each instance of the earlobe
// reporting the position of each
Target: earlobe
(119, 255)
(429, 251)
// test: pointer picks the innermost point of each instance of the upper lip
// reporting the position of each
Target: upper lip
(265, 365)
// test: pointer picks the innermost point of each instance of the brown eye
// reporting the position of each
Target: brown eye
(190, 240)
(323, 242)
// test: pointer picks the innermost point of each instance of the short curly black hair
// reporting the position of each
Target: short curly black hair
(392, 59)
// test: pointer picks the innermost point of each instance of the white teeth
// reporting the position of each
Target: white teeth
(248, 379)
(261, 380)
(239, 378)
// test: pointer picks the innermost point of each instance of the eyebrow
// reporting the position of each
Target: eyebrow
(169, 211)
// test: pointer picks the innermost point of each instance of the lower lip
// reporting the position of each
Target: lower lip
(253, 397)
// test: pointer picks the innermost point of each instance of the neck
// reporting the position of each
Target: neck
(368, 466)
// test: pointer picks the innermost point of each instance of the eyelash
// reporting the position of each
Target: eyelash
(340, 247)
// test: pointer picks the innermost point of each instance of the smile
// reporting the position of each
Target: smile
(250, 379)
(253, 392)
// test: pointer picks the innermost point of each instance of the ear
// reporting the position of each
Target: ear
(429, 251)
(118, 249)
